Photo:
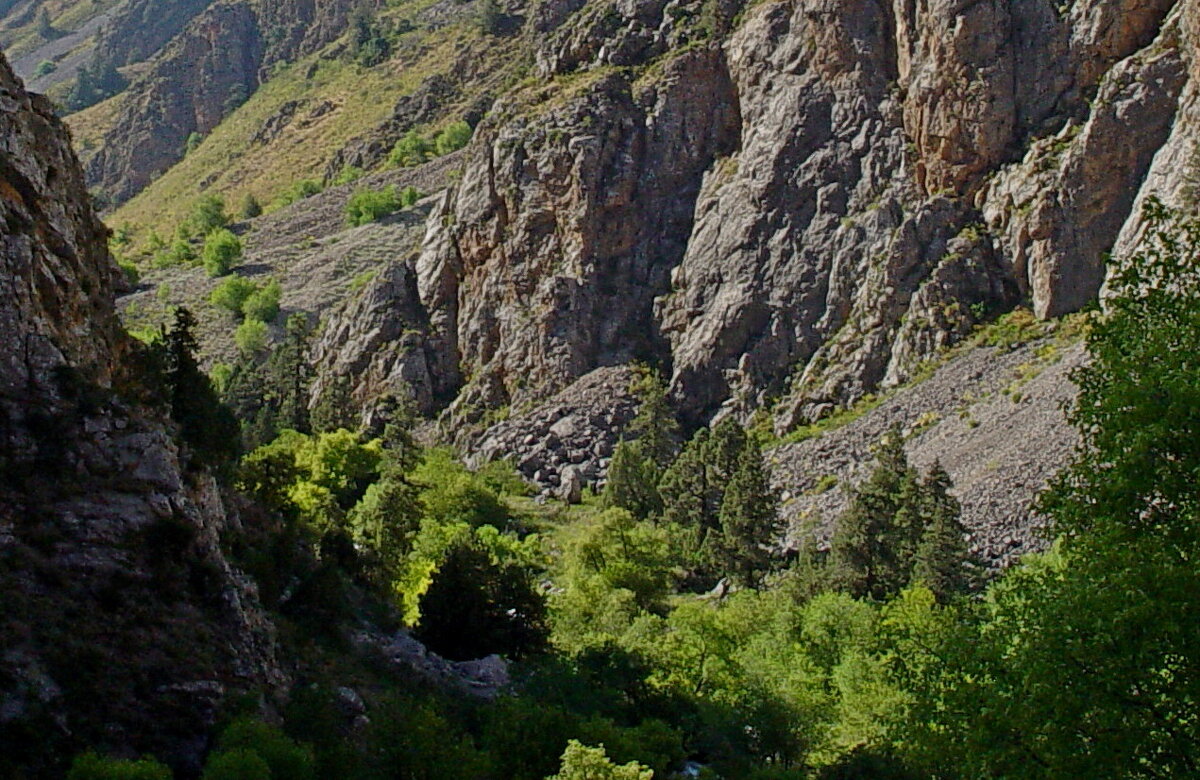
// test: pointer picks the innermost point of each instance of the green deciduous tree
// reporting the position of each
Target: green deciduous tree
(90, 766)
(454, 137)
(222, 249)
(232, 293)
(263, 303)
(412, 149)
(580, 762)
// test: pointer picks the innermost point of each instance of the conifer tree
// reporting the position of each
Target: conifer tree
(655, 426)
(871, 553)
(749, 520)
(633, 482)
(207, 425)
(684, 487)
(943, 561)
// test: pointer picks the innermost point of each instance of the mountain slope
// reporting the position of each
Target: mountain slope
(120, 608)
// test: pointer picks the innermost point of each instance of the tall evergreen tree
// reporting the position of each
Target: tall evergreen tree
(872, 550)
(749, 520)
(205, 423)
(943, 560)
(633, 482)
(655, 426)
(684, 487)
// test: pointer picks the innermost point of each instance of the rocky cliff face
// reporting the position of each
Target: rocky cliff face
(120, 610)
(793, 209)
(137, 30)
(208, 70)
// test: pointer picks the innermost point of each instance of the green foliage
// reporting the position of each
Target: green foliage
(348, 175)
(263, 304)
(192, 144)
(580, 762)
(208, 214)
(367, 206)
(491, 18)
(206, 424)
(368, 44)
(239, 764)
(272, 395)
(232, 293)
(44, 68)
(90, 766)
(130, 270)
(305, 188)
(472, 592)
(94, 83)
(409, 196)
(1078, 664)
(222, 249)
(900, 528)
(335, 408)
(412, 149)
(749, 520)
(632, 482)
(283, 757)
(451, 493)
(251, 337)
(454, 137)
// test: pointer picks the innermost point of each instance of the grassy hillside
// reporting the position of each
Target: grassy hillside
(330, 98)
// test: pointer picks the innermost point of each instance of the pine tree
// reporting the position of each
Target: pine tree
(288, 375)
(335, 407)
(205, 424)
(749, 520)
(684, 487)
(84, 92)
(872, 550)
(633, 482)
(655, 426)
(943, 561)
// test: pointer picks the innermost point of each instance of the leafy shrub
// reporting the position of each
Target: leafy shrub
(193, 143)
(410, 150)
(453, 138)
(366, 206)
(283, 757)
(221, 250)
(580, 762)
(232, 294)
(130, 269)
(44, 68)
(305, 188)
(263, 304)
(208, 214)
(349, 175)
(180, 252)
(239, 764)
(90, 766)
(251, 336)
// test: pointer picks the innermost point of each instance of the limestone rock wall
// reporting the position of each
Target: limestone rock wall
(807, 203)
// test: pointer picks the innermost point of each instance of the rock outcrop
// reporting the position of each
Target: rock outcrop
(799, 211)
(123, 625)
(137, 30)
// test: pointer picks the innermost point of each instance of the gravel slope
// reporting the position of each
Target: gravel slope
(994, 419)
